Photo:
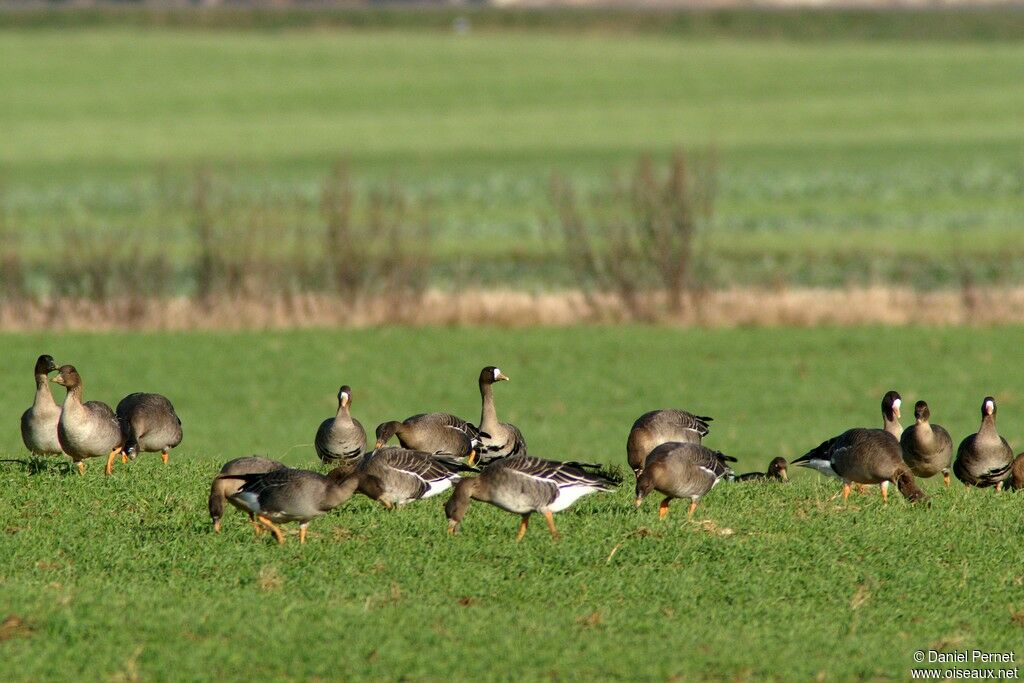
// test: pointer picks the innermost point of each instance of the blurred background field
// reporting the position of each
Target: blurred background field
(839, 155)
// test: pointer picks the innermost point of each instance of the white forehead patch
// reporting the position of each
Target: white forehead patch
(989, 405)
(897, 403)
(496, 373)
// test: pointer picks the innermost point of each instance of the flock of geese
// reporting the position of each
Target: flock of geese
(436, 450)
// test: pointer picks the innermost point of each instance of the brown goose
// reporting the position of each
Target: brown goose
(435, 433)
(396, 476)
(927, 448)
(148, 424)
(776, 471)
(341, 437)
(984, 459)
(39, 423)
(86, 430)
(498, 439)
(867, 456)
(288, 495)
(523, 485)
(221, 489)
(1017, 472)
(662, 426)
(681, 470)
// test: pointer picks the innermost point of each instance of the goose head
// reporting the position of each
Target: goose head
(777, 469)
(68, 377)
(921, 412)
(344, 396)
(491, 374)
(45, 365)
(988, 407)
(386, 430)
(891, 405)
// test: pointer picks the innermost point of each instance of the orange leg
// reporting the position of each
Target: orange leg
(274, 529)
(663, 508)
(523, 523)
(124, 458)
(165, 456)
(256, 527)
(693, 506)
(551, 524)
(81, 467)
(846, 490)
(999, 487)
(945, 478)
(216, 526)
(110, 460)
(885, 491)
(302, 532)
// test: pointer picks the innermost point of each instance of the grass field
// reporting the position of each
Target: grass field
(836, 158)
(121, 578)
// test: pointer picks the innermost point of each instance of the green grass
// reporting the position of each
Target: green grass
(121, 577)
(836, 158)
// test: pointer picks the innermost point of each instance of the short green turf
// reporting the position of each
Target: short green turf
(121, 578)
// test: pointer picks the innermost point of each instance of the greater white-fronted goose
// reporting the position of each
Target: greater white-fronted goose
(290, 495)
(681, 470)
(435, 433)
(523, 485)
(777, 471)
(341, 437)
(662, 426)
(39, 423)
(867, 456)
(396, 476)
(984, 459)
(86, 430)
(498, 439)
(222, 488)
(927, 448)
(1017, 472)
(148, 425)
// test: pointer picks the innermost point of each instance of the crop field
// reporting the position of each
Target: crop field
(853, 160)
(122, 578)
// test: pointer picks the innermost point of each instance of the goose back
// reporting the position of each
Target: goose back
(148, 423)
(656, 427)
(436, 433)
(396, 476)
(682, 470)
(222, 488)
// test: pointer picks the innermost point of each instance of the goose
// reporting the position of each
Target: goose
(290, 495)
(984, 459)
(148, 424)
(523, 485)
(1017, 472)
(435, 433)
(222, 488)
(86, 430)
(681, 470)
(396, 476)
(662, 426)
(776, 471)
(341, 437)
(927, 448)
(502, 440)
(39, 422)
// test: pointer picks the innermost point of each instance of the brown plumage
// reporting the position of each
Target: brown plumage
(498, 439)
(39, 422)
(927, 448)
(341, 437)
(984, 459)
(89, 429)
(1017, 472)
(777, 471)
(222, 488)
(662, 426)
(148, 425)
(434, 433)
(681, 470)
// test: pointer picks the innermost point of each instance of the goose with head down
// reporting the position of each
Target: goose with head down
(985, 458)
(342, 437)
(498, 439)
(434, 433)
(777, 471)
(927, 448)
(396, 476)
(662, 426)
(223, 488)
(681, 470)
(87, 429)
(523, 485)
(39, 422)
(148, 425)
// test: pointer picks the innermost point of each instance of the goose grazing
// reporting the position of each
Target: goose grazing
(148, 424)
(341, 437)
(396, 476)
(288, 495)
(86, 430)
(39, 423)
(867, 456)
(223, 488)
(523, 485)
(927, 448)
(435, 433)
(681, 470)
(776, 472)
(1017, 472)
(984, 459)
(502, 440)
(662, 426)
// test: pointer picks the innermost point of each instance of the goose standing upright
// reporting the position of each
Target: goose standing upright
(39, 422)
(89, 429)
(662, 426)
(148, 424)
(984, 459)
(867, 456)
(502, 440)
(223, 488)
(681, 470)
(927, 448)
(434, 433)
(342, 437)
